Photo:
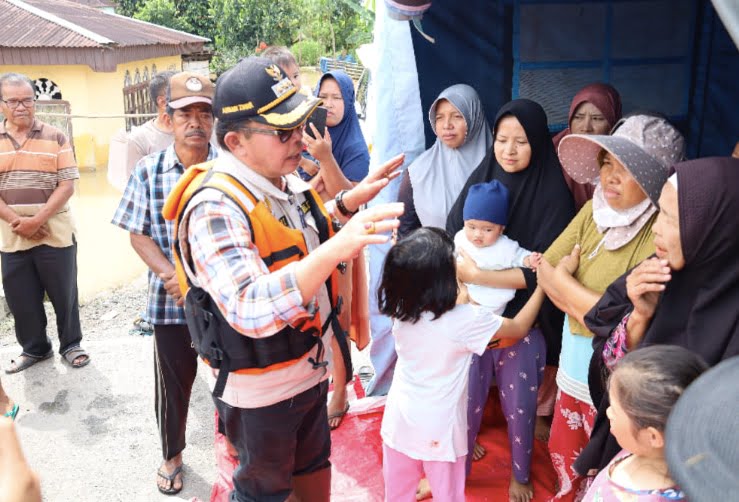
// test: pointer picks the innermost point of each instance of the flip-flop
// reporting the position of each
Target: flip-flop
(171, 478)
(339, 415)
(73, 354)
(25, 361)
(12, 413)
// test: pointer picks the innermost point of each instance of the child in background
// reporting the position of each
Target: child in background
(643, 388)
(282, 57)
(424, 428)
(485, 217)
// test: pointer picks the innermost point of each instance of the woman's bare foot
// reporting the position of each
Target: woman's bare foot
(423, 491)
(478, 452)
(542, 428)
(337, 407)
(518, 492)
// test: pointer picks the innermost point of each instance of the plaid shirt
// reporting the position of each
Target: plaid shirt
(140, 212)
(215, 236)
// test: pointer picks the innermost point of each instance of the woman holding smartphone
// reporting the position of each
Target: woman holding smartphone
(343, 161)
(341, 150)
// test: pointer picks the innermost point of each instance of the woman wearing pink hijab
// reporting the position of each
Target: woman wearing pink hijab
(595, 109)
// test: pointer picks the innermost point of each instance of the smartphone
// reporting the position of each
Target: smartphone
(318, 119)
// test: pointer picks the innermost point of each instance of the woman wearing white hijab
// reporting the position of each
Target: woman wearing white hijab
(438, 175)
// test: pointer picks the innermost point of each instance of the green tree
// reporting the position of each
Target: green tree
(163, 13)
(246, 23)
(127, 7)
(337, 24)
(184, 15)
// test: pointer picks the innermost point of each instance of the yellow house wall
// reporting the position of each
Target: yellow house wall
(93, 93)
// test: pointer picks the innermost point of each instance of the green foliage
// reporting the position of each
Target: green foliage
(184, 15)
(337, 24)
(228, 57)
(246, 23)
(161, 12)
(308, 52)
(320, 27)
(127, 7)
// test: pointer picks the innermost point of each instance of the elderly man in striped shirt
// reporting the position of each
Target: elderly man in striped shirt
(39, 250)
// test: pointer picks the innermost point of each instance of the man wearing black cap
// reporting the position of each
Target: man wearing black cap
(190, 110)
(261, 257)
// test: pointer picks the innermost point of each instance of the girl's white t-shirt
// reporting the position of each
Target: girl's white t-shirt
(426, 411)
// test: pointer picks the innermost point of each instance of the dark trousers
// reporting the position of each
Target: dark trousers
(277, 442)
(175, 367)
(26, 276)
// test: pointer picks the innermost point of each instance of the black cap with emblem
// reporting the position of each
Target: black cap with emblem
(257, 89)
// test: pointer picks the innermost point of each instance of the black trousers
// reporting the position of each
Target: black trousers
(175, 367)
(277, 442)
(27, 275)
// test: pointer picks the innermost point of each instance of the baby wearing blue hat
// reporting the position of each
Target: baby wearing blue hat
(485, 217)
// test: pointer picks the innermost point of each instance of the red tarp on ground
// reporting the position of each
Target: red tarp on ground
(356, 456)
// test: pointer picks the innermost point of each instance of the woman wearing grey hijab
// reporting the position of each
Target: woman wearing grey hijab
(435, 179)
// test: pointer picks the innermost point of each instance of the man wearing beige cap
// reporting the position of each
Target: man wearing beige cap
(189, 106)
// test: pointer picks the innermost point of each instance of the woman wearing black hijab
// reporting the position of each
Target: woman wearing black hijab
(541, 206)
(688, 295)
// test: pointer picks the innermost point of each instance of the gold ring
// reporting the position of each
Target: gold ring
(371, 229)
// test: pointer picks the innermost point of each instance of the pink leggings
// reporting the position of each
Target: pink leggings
(403, 473)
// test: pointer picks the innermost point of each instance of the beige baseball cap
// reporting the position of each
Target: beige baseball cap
(186, 88)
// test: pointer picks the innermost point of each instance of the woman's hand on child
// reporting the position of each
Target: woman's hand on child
(318, 146)
(467, 269)
(533, 260)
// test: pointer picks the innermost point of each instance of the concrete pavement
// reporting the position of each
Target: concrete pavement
(91, 433)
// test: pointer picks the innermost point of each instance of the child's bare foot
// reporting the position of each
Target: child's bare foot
(542, 428)
(518, 492)
(423, 491)
(337, 407)
(478, 452)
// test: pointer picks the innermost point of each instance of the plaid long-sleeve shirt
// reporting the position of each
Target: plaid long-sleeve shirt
(216, 240)
(140, 212)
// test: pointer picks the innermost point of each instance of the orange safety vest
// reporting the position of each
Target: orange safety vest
(219, 344)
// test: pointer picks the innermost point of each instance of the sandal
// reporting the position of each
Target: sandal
(171, 490)
(73, 354)
(25, 361)
(339, 415)
(12, 413)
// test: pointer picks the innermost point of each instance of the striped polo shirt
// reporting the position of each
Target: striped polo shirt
(30, 172)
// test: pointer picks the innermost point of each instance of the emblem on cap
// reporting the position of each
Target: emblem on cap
(274, 71)
(193, 84)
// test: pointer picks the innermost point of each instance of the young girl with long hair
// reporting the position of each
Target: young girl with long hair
(643, 388)
(424, 429)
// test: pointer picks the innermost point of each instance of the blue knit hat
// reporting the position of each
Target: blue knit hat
(487, 202)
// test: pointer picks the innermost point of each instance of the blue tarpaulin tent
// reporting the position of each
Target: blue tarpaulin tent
(670, 56)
